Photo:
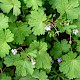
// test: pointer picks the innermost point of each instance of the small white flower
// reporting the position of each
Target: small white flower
(48, 28)
(14, 51)
(33, 63)
(75, 31)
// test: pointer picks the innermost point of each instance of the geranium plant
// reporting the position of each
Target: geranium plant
(39, 39)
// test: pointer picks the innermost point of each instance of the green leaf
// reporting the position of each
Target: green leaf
(77, 79)
(70, 65)
(30, 38)
(41, 75)
(7, 5)
(20, 31)
(43, 60)
(4, 77)
(11, 59)
(71, 14)
(24, 67)
(1, 64)
(34, 45)
(78, 46)
(3, 21)
(38, 50)
(33, 53)
(61, 6)
(59, 48)
(65, 26)
(12, 18)
(37, 22)
(68, 28)
(33, 3)
(5, 36)
(68, 6)
(40, 46)
(52, 2)
(28, 77)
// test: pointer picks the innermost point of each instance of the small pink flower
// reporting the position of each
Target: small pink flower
(59, 60)
(75, 31)
(48, 28)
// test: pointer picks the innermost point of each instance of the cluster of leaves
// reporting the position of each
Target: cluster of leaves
(41, 31)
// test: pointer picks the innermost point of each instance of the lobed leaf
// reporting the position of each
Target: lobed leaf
(69, 7)
(5, 36)
(59, 48)
(7, 5)
(3, 21)
(20, 31)
(40, 75)
(37, 22)
(33, 3)
(70, 65)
